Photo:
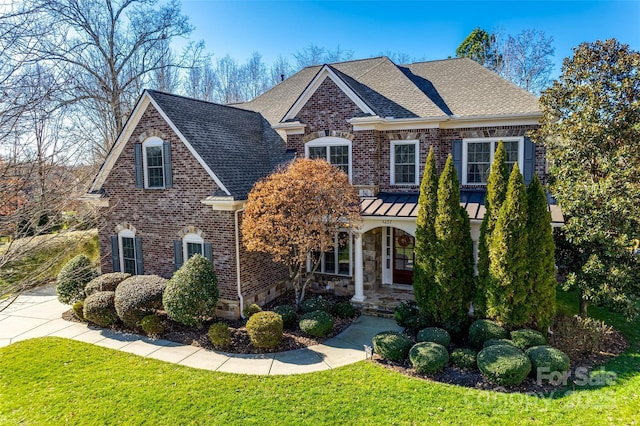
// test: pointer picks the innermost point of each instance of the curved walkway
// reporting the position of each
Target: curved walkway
(38, 314)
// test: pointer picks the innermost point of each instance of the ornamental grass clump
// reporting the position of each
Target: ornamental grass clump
(99, 308)
(265, 329)
(105, 282)
(72, 279)
(220, 335)
(527, 338)
(392, 345)
(316, 323)
(483, 330)
(428, 357)
(504, 365)
(139, 296)
(434, 334)
(192, 293)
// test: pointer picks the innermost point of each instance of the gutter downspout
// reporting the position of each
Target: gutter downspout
(238, 261)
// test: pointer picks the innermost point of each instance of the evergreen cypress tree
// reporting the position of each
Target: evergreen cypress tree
(423, 270)
(496, 193)
(453, 267)
(507, 290)
(542, 273)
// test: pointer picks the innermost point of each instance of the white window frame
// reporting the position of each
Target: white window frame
(493, 143)
(127, 233)
(152, 142)
(327, 142)
(416, 147)
(191, 238)
(334, 250)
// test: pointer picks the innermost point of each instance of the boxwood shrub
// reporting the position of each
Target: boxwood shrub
(316, 323)
(428, 357)
(151, 325)
(392, 345)
(78, 309)
(288, 314)
(192, 293)
(463, 358)
(105, 282)
(72, 279)
(416, 322)
(504, 365)
(315, 304)
(139, 296)
(493, 342)
(527, 338)
(405, 310)
(265, 329)
(250, 310)
(482, 330)
(434, 334)
(99, 308)
(549, 358)
(220, 335)
(343, 310)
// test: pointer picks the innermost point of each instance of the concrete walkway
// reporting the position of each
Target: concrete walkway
(38, 314)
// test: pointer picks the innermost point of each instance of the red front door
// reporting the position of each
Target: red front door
(403, 245)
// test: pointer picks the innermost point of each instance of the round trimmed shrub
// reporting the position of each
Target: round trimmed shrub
(106, 282)
(220, 335)
(549, 358)
(483, 330)
(72, 279)
(315, 304)
(435, 335)
(405, 310)
(288, 314)
(416, 322)
(248, 311)
(428, 357)
(392, 345)
(192, 293)
(316, 323)
(99, 308)
(78, 309)
(151, 325)
(493, 342)
(265, 329)
(504, 365)
(138, 296)
(527, 338)
(343, 310)
(463, 358)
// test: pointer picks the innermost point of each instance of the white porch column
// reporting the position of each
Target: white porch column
(358, 269)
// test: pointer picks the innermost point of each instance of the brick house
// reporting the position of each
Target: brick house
(176, 179)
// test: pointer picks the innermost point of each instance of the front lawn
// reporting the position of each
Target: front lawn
(56, 381)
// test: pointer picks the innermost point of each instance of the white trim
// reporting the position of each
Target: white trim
(324, 73)
(329, 141)
(224, 203)
(127, 233)
(153, 141)
(392, 157)
(466, 141)
(522, 119)
(389, 123)
(191, 238)
(443, 122)
(290, 128)
(96, 200)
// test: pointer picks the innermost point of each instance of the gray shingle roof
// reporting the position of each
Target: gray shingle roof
(238, 145)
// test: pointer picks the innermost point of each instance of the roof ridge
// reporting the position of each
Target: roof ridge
(151, 91)
(435, 60)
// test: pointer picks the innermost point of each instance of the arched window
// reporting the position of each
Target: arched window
(336, 151)
(153, 164)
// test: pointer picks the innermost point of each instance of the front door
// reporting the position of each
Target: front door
(403, 257)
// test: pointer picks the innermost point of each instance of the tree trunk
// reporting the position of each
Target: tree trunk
(584, 305)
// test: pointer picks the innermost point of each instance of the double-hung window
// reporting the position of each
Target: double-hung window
(404, 163)
(127, 253)
(192, 244)
(336, 151)
(336, 261)
(153, 163)
(478, 156)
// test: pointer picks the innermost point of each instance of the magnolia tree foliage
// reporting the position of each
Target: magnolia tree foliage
(299, 210)
(591, 128)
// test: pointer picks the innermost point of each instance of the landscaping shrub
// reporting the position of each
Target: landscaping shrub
(343, 310)
(265, 329)
(106, 282)
(405, 310)
(482, 330)
(457, 328)
(316, 323)
(493, 342)
(78, 308)
(428, 357)
(248, 311)
(463, 358)
(288, 314)
(151, 325)
(220, 335)
(549, 358)
(434, 334)
(192, 293)
(392, 345)
(576, 336)
(315, 304)
(526, 338)
(139, 296)
(416, 322)
(72, 279)
(504, 365)
(99, 308)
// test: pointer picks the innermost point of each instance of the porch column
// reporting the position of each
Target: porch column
(357, 269)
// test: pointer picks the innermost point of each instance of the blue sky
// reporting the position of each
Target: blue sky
(422, 29)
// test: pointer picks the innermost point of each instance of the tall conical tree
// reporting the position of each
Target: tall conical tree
(542, 273)
(507, 290)
(453, 268)
(496, 193)
(423, 271)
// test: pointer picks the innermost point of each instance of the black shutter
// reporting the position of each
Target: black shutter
(177, 253)
(456, 154)
(529, 166)
(208, 251)
(115, 253)
(137, 159)
(139, 265)
(166, 158)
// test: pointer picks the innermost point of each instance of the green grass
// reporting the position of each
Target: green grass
(37, 260)
(55, 381)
